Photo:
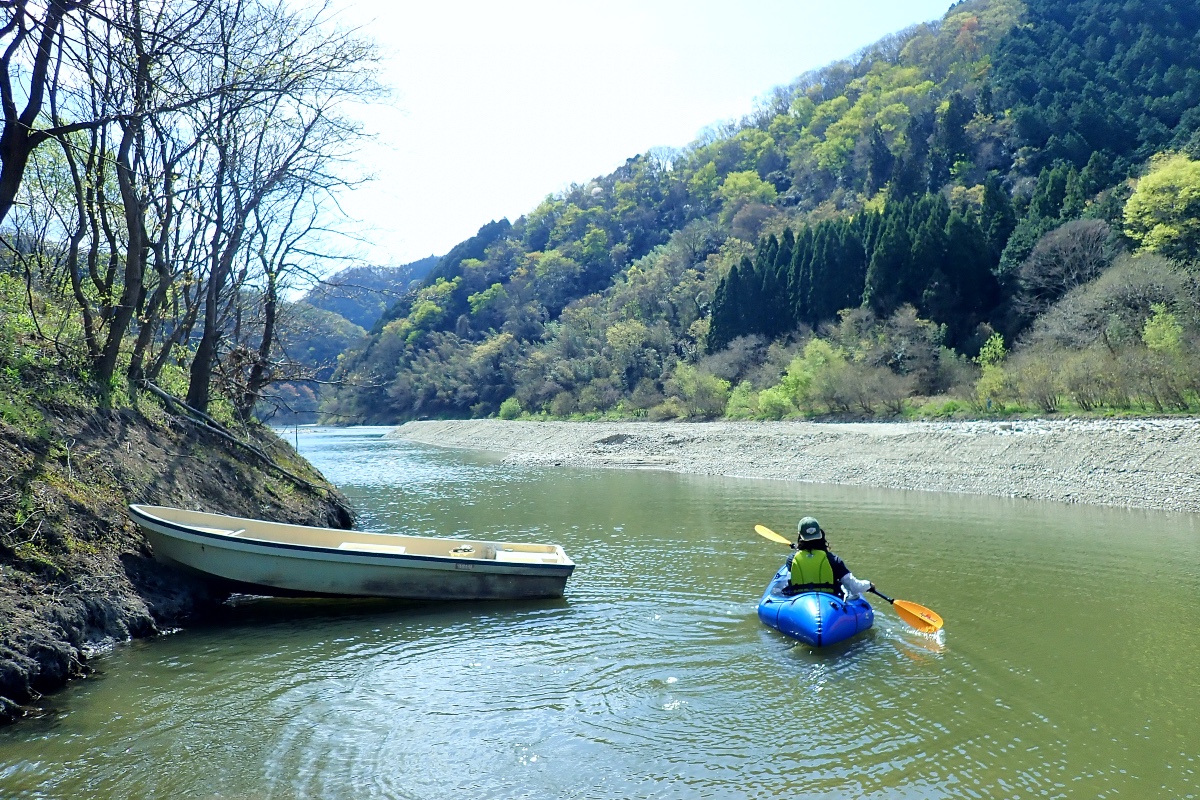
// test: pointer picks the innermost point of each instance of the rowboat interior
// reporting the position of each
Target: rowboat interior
(359, 541)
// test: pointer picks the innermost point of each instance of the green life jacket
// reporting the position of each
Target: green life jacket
(811, 572)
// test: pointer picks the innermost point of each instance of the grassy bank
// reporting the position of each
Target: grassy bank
(74, 571)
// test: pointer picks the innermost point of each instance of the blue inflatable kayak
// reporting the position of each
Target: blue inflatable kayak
(816, 618)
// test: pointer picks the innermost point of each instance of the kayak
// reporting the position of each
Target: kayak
(815, 618)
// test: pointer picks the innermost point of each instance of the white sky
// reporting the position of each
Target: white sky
(498, 104)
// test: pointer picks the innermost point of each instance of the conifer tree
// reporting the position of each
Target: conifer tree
(968, 268)
(884, 285)
(801, 276)
(997, 216)
(880, 161)
(724, 325)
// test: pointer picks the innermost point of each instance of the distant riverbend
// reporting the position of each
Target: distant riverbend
(1142, 463)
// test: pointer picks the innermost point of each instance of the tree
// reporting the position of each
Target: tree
(1163, 214)
(1068, 256)
(32, 34)
(278, 141)
(740, 188)
(886, 286)
(997, 217)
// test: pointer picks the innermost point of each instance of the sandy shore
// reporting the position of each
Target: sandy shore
(1145, 463)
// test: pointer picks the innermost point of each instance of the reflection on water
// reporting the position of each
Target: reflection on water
(1065, 670)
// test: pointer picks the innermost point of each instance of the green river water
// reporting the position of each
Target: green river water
(1069, 665)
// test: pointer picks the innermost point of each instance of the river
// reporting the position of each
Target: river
(1067, 667)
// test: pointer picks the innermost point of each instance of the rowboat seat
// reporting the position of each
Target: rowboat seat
(219, 531)
(394, 549)
(520, 557)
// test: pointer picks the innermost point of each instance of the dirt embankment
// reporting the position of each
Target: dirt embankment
(1144, 463)
(74, 571)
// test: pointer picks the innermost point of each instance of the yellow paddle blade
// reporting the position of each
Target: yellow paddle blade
(918, 616)
(767, 533)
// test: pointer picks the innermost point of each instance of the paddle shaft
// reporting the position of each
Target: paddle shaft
(873, 590)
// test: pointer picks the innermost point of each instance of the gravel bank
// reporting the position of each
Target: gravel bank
(1144, 463)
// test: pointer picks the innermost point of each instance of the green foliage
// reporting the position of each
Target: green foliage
(510, 409)
(992, 352)
(994, 388)
(1163, 214)
(819, 357)
(1100, 75)
(362, 294)
(775, 403)
(488, 299)
(315, 337)
(703, 394)
(743, 402)
(740, 188)
(1162, 332)
(898, 196)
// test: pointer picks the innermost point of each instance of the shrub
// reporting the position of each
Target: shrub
(671, 408)
(563, 404)
(703, 394)
(1038, 380)
(806, 372)
(1064, 258)
(891, 389)
(1087, 377)
(510, 408)
(743, 402)
(645, 395)
(774, 403)
(993, 389)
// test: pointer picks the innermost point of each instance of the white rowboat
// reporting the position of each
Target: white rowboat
(274, 558)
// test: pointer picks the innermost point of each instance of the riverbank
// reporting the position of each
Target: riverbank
(1138, 463)
(75, 574)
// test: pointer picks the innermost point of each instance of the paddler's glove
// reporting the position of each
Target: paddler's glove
(854, 587)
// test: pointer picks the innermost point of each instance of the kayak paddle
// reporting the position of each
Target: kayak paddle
(917, 616)
(767, 533)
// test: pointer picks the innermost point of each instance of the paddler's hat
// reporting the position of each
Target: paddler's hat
(809, 530)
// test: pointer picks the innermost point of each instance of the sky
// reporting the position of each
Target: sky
(495, 105)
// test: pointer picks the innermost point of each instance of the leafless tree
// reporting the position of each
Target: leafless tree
(1064, 258)
(182, 128)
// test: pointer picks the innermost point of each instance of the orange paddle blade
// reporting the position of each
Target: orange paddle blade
(918, 616)
(767, 533)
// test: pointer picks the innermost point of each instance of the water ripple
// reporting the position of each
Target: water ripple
(653, 677)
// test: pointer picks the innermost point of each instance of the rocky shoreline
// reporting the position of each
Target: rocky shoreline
(76, 574)
(1135, 463)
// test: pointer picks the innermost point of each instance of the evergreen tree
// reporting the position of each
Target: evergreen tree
(725, 324)
(749, 300)
(1050, 192)
(776, 315)
(911, 168)
(853, 270)
(821, 277)
(968, 267)
(998, 217)
(801, 276)
(951, 143)
(884, 286)
(1096, 175)
(880, 161)
(1074, 200)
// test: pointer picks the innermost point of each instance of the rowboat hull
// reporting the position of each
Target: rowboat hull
(816, 618)
(276, 559)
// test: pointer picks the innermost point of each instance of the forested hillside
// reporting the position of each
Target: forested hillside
(362, 294)
(995, 210)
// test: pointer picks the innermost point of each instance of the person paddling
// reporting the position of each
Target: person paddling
(815, 569)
